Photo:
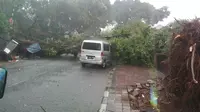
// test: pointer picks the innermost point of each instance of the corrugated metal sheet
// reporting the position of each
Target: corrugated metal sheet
(11, 46)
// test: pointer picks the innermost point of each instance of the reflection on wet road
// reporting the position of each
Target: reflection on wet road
(56, 85)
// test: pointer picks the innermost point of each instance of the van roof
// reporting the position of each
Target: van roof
(96, 41)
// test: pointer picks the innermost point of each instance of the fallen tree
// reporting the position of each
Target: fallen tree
(56, 47)
(183, 81)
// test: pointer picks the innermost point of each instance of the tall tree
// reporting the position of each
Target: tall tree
(53, 18)
(3, 24)
(125, 10)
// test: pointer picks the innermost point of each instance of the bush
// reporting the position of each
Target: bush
(135, 51)
(50, 52)
(140, 46)
(162, 40)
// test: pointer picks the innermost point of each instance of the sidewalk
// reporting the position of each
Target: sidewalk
(129, 75)
(117, 99)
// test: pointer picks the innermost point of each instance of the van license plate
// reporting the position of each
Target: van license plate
(90, 57)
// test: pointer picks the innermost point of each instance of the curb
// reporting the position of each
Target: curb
(104, 100)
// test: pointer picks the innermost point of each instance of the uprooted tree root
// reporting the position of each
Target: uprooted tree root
(184, 64)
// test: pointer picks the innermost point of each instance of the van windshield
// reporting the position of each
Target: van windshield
(91, 46)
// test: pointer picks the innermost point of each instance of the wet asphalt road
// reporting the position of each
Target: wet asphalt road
(56, 85)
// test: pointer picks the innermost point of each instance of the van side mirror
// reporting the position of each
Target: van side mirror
(3, 80)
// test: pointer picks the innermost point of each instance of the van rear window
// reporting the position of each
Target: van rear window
(91, 46)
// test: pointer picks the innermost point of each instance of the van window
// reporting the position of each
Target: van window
(106, 47)
(91, 46)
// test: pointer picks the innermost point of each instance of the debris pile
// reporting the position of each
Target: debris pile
(140, 96)
(183, 80)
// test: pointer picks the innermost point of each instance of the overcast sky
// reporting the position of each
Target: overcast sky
(180, 9)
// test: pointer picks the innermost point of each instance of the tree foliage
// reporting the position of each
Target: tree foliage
(42, 20)
(141, 45)
(162, 39)
(53, 18)
(3, 23)
(126, 10)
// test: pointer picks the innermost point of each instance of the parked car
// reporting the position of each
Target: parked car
(95, 52)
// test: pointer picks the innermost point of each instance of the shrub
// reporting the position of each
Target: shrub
(140, 46)
(50, 52)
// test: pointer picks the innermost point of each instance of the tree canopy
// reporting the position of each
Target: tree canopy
(3, 23)
(125, 10)
(137, 43)
(55, 18)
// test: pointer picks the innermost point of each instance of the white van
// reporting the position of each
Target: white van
(95, 52)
